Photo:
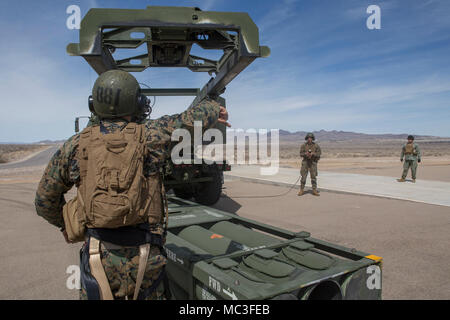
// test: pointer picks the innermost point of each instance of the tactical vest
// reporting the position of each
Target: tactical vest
(409, 149)
(113, 191)
(310, 148)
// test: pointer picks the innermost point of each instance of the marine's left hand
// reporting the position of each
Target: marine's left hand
(66, 237)
(223, 116)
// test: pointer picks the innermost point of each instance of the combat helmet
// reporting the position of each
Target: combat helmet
(410, 137)
(310, 135)
(116, 93)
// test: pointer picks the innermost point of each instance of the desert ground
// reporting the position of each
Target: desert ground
(411, 237)
(373, 157)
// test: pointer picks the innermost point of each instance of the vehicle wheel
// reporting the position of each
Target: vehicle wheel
(183, 193)
(208, 193)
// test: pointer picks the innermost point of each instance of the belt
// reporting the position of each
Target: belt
(111, 246)
(130, 236)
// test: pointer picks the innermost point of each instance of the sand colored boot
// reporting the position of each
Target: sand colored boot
(301, 192)
(315, 192)
(401, 180)
(414, 180)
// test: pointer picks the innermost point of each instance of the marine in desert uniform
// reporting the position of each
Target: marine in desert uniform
(412, 155)
(120, 211)
(310, 153)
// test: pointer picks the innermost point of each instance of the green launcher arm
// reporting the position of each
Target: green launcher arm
(168, 34)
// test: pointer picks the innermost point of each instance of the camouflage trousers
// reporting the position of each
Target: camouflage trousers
(121, 267)
(311, 167)
(409, 164)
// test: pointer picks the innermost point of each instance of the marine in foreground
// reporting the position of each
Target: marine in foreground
(120, 211)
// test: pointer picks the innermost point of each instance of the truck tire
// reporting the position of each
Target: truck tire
(208, 193)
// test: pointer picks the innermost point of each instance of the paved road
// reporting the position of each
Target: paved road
(424, 191)
(411, 237)
(41, 158)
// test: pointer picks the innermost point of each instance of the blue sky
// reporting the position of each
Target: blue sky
(326, 69)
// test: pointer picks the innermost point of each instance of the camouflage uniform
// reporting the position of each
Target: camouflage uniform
(121, 267)
(63, 172)
(411, 160)
(309, 164)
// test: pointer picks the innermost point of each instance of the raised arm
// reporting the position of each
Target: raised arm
(159, 131)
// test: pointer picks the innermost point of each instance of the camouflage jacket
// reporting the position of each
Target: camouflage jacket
(316, 154)
(417, 155)
(63, 172)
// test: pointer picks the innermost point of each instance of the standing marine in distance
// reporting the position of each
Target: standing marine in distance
(412, 155)
(310, 152)
(120, 211)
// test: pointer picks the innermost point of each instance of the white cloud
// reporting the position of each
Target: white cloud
(207, 5)
(339, 107)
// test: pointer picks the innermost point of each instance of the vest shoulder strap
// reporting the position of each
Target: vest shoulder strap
(135, 129)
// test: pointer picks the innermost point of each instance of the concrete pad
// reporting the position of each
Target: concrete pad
(424, 191)
(411, 237)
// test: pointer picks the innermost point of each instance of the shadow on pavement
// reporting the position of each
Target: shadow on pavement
(227, 204)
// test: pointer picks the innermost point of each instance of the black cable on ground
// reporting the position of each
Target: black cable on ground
(266, 196)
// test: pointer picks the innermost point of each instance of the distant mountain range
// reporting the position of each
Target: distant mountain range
(50, 142)
(334, 135)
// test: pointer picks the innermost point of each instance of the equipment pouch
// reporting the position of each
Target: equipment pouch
(156, 206)
(109, 211)
(73, 221)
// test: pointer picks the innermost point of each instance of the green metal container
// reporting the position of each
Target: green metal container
(243, 235)
(217, 255)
